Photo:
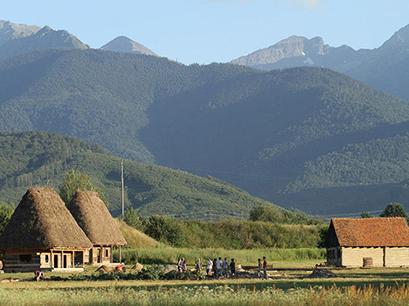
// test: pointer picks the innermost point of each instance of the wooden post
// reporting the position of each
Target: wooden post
(122, 190)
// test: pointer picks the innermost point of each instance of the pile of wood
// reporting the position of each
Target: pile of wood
(322, 273)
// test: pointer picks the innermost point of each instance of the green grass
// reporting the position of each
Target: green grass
(232, 294)
(170, 255)
(380, 286)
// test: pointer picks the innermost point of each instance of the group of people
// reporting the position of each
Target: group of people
(262, 268)
(218, 267)
(182, 267)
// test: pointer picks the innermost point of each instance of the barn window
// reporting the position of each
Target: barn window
(46, 258)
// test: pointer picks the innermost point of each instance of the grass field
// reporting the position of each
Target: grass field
(232, 292)
(288, 284)
(169, 255)
(285, 287)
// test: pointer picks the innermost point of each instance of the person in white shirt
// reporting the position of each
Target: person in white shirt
(209, 267)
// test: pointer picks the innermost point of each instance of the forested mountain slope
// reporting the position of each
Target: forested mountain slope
(99, 96)
(35, 158)
(275, 134)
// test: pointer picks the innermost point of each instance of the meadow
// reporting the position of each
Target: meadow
(378, 286)
(254, 292)
(169, 255)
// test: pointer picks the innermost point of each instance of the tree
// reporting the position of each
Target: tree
(394, 210)
(323, 240)
(132, 218)
(365, 214)
(75, 180)
(6, 211)
(165, 229)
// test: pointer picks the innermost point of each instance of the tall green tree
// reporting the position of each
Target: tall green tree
(394, 210)
(6, 211)
(132, 218)
(75, 180)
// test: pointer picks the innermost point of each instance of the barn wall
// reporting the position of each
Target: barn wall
(396, 257)
(333, 256)
(353, 257)
(18, 262)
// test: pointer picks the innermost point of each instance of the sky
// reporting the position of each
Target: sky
(205, 31)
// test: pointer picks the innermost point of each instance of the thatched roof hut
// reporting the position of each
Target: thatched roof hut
(93, 217)
(41, 222)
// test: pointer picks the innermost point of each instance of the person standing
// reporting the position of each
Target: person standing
(214, 267)
(225, 267)
(219, 266)
(198, 266)
(180, 265)
(265, 267)
(232, 268)
(209, 267)
(259, 267)
(184, 265)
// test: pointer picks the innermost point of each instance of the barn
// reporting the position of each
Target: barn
(377, 242)
(93, 217)
(43, 235)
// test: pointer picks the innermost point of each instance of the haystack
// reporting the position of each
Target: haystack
(93, 217)
(42, 222)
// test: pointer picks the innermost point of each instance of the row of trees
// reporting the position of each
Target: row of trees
(391, 210)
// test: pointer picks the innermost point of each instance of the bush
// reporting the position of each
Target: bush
(164, 229)
(132, 218)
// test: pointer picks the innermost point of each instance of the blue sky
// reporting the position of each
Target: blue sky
(206, 31)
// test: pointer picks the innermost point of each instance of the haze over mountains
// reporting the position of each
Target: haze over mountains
(384, 68)
(308, 137)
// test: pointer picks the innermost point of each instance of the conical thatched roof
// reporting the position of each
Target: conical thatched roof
(93, 216)
(40, 222)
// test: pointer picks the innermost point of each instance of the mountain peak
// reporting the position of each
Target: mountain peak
(293, 46)
(10, 30)
(124, 44)
(398, 39)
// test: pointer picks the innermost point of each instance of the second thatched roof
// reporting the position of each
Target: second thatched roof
(93, 217)
(41, 222)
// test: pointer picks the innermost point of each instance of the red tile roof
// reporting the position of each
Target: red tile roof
(371, 232)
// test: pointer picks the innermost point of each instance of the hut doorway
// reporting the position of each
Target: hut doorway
(65, 262)
(56, 263)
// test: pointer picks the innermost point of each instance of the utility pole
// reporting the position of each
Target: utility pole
(122, 190)
(122, 203)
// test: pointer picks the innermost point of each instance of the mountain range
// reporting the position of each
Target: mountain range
(16, 39)
(384, 68)
(308, 137)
